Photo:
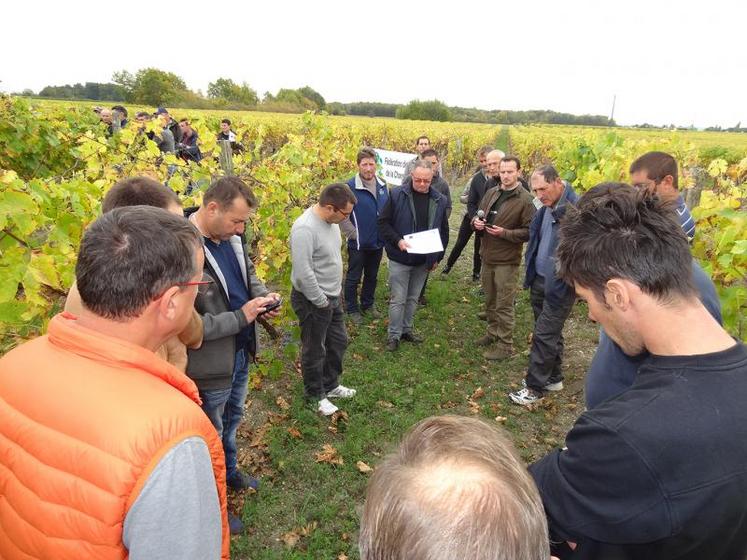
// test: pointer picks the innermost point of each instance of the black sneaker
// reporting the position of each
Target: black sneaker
(241, 481)
(392, 344)
(446, 270)
(410, 337)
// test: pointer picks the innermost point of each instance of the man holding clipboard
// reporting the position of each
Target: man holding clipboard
(412, 207)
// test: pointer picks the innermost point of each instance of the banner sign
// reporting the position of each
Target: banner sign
(391, 165)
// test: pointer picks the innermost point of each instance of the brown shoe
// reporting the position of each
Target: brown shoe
(486, 340)
(498, 353)
(482, 315)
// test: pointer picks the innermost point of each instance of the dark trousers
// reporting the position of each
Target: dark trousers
(465, 232)
(365, 264)
(323, 343)
(546, 353)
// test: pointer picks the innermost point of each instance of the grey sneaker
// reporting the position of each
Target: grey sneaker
(355, 317)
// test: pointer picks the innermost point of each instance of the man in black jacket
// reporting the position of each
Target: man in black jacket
(412, 207)
(228, 307)
(475, 186)
(169, 123)
(659, 471)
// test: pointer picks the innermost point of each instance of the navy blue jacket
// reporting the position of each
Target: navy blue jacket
(556, 291)
(366, 214)
(660, 471)
(397, 219)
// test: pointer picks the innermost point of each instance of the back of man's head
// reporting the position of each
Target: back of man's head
(617, 231)
(454, 489)
(139, 191)
(226, 190)
(130, 256)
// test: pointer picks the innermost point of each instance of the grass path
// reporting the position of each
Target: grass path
(312, 491)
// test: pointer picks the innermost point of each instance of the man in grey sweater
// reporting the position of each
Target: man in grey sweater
(316, 277)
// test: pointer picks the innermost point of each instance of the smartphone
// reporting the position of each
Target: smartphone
(274, 305)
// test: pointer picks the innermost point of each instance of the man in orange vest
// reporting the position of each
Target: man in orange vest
(105, 452)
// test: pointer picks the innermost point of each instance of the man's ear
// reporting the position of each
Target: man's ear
(667, 182)
(617, 294)
(168, 304)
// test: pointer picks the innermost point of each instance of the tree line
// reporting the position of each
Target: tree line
(155, 87)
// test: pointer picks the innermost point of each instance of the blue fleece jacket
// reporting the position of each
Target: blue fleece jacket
(366, 213)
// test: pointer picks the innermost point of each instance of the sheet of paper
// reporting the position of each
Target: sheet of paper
(424, 242)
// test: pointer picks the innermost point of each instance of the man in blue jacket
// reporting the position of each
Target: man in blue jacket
(551, 298)
(412, 207)
(365, 247)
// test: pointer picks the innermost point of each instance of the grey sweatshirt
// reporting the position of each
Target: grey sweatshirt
(316, 258)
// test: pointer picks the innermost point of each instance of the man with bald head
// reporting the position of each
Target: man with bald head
(503, 219)
(454, 489)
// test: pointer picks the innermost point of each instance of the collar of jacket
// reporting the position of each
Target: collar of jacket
(567, 196)
(65, 332)
(360, 186)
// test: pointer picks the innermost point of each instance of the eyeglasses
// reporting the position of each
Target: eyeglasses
(346, 214)
(202, 286)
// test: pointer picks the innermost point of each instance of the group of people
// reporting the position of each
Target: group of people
(174, 137)
(119, 425)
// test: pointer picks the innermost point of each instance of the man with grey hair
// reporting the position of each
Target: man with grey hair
(552, 299)
(412, 207)
(105, 436)
(455, 488)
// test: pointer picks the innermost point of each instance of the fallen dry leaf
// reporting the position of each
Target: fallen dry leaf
(338, 416)
(500, 418)
(385, 404)
(478, 394)
(290, 539)
(294, 433)
(363, 467)
(306, 530)
(342, 556)
(329, 454)
(282, 403)
(474, 408)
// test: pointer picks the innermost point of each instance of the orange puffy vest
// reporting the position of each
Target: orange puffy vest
(84, 419)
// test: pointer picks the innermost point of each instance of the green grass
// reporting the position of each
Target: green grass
(319, 502)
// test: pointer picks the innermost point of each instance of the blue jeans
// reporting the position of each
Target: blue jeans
(225, 408)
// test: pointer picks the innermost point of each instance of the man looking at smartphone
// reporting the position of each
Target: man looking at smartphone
(228, 306)
(503, 219)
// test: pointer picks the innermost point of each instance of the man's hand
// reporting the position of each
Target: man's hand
(254, 307)
(478, 224)
(275, 312)
(403, 245)
(495, 231)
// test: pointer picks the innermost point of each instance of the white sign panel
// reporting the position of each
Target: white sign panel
(391, 165)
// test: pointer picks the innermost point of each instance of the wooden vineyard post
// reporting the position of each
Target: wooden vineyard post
(226, 157)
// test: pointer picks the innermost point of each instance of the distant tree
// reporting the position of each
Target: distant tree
(294, 97)
(151, 86)
(425, 111)
(225, 88)
(314, 96)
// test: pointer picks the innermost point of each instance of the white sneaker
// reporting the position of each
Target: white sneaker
(326, 407)
(342, 392)
(525, 396)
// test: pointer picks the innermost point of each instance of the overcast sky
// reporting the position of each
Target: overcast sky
(667, 62)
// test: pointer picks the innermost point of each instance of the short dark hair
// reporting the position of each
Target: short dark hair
(143, 114)
(429, 152)
(484, 150)
(227, 189)
(365, 153)
(424, 137)
(618, 231)
(512, 158)
(454, 488)
(338, 195)
(121, 109)
(227, 121)
(130, 256)
(139, 191)
(184, 120)
(548, 172)
(657, 165)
